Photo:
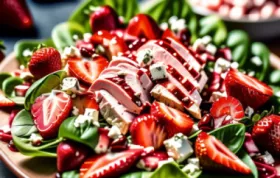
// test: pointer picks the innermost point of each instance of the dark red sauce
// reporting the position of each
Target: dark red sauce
(120, 81)
(187, 84)
(166, 46)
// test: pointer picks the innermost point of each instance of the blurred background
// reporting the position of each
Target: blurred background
(35, 19)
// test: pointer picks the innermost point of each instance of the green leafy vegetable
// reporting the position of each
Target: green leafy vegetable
(124, 8)
(169, 170)
(3, 77)
(238, 41)
(9, 84)
(30, 45)
(137, 175)
(22, 127)
(86, 133)
(44, 85)
(213, 26)
(71, 174)
(262, 52)
(162, 10)
(62, 34)
(232, 135)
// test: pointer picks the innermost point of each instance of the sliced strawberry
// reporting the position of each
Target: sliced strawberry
(44, 61)
(49, 111)
(70, 155)
(5, 102)
(248, 90)
(87, 71)
(266, 134)
(81, 102)
(104, 18)
(103, 141)
(169, 34)
(175, 121)
(143, 26)
(213, 155)
(227, 106)
(113, 44)
(147, 131)
(110, 164)
(150, 162)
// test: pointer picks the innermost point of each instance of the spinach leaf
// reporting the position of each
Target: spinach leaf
(62, 34)
(22, 127)
(30, 45)
(86, 133)
(238, 41)
(169, 170)
(9, 85)
(71, 174)
(124, 8)
(137, 175)
(213, 26)
(19, 100)
(3, 77)
(162, 10)
(232, 136)
(44, 85)
(259, 50)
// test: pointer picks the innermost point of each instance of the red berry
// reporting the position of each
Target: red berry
(44, 61)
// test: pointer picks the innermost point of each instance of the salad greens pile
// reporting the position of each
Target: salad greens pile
(232, 135)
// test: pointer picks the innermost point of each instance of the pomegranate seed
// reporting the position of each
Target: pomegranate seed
(12, 116)
(224, 53)
(119, 144)
(265, 171)
(206, 123)
(12, 147)
(86, 52)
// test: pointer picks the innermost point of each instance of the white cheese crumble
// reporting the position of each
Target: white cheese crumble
(114, 132)
(234, 65)
(75, 111)
(198, 45)
(141, 165)
(206, 39)
(70, 85)
(212, 49)
(194, 161)
(178, 25)
(221, 65)
(249, 111)
(217, 95)
(145, 57)
(267, 158)
(71, 51)
(27, 53)
(158, 71)
(87, 37)
(190, 168)
(93, 114)
(178, 147)
(256, 60)
(36, 139)
(163, 26)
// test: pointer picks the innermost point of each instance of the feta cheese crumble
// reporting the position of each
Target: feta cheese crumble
(90, 115)
(145, 57)
(221, 65)
(75, 111)
(87, 37)
(158, 71)
(71, 51)
(178, 147)
(27, 53)
(212, 49)
(70, 85)
(36, 139)
(114, 132)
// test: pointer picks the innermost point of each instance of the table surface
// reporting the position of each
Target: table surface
(48, 13)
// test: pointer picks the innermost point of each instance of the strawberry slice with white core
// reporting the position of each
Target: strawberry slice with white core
(147, 131)
(174, 120)
(227, 106)
(5, 102)
(87, 71)
(49, 111)
(110, 164)
(248, 90)
(213, 155)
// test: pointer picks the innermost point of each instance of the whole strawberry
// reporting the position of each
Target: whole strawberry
(266, 134)
(44, 61)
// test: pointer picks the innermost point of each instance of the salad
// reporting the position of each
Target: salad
(120, 91)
